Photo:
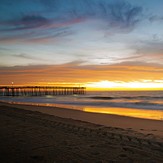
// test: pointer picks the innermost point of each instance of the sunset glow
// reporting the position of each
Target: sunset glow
(100, 44)
(120, 85)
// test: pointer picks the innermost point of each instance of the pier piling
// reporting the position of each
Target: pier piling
(40, 90)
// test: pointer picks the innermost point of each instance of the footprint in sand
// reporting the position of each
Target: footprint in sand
(129, 128)
(37, 157)
(123, 155)
(153, 130)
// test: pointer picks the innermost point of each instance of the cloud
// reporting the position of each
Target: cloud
(116, 13)
(124, 14)
(32, 21)
(4, 49)
(25, 22)
(54, 21)
(36, 29)
(27, 56)
(156, 18)
(150, 50)
(78, 73)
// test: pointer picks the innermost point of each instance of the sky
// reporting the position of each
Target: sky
(95, 43)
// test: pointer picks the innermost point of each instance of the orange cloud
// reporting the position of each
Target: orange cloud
(78, 73)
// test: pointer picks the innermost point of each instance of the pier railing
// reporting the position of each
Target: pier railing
(40, 90)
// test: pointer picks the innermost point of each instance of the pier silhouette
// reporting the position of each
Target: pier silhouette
(40, 90)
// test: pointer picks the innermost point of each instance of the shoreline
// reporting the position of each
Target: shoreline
(46, 134)
(145, 126)
(127, 111)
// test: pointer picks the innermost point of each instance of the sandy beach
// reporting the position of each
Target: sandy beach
(47, 134)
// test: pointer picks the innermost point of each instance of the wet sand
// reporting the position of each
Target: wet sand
(52, 135)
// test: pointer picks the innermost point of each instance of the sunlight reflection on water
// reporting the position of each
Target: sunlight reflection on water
(138, 113)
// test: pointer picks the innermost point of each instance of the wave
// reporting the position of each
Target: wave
(77, 101)
(125, 97)
(102, 98)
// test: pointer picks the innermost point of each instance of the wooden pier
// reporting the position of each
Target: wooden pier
(40, 90)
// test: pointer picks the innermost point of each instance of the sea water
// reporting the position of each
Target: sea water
(142, 104)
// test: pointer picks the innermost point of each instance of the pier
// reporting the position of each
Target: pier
(40, 90)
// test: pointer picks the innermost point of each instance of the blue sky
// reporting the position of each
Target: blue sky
(82, 33)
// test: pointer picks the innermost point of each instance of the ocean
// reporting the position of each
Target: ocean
(140, 104)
